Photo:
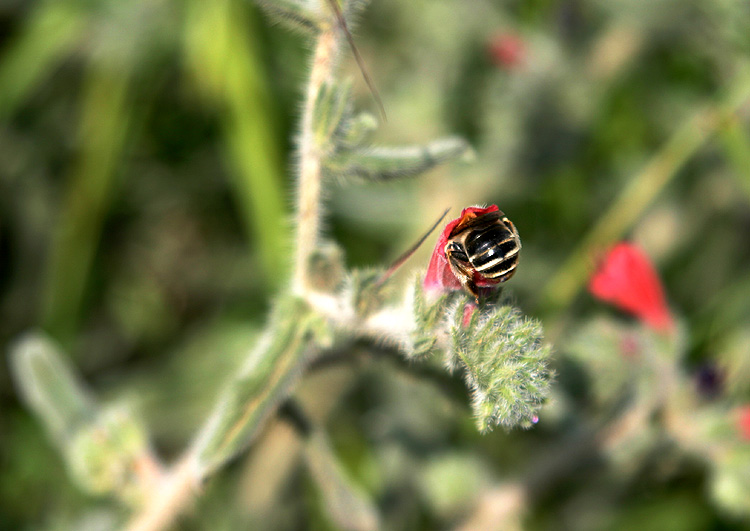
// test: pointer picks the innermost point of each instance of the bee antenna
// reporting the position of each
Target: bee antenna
(360, 62)
(405, 256)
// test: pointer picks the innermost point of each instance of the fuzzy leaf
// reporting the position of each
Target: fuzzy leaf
(326, 268)
(50, 387)
(388, 163)
(504, 361)
(357, 131)
(101, 445)
(332, 110)
(292, 338)
(428, 314)
(297, 15)
(103, 456)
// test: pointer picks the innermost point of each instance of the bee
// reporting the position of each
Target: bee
(482, 250)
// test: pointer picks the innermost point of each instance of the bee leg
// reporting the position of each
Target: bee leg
(473, 289)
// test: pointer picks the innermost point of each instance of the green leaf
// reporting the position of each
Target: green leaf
(53, 31)
(389, 163)
(50, 387)
(105, 124)
(104, 455)
(224, 56)
(365, 291)
(428, 315)
(357, 131)
(332, 110)
(101, 446)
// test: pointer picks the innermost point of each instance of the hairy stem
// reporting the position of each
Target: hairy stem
(178, 487)
(246, 402)
(310, 164)
(170, 497)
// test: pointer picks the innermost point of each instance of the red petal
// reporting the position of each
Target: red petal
(743, 422)
(627, 280)
(439, 276)
(507, 51)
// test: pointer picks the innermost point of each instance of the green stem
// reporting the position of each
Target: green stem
(266, 379)
(640, 193)
(288, 345)
(293, 337)
(54, 29)
(105, 121)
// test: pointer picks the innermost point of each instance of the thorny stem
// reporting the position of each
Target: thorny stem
(179, 484)
(310, 164)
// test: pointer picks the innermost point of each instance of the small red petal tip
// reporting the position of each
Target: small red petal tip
(627, 279)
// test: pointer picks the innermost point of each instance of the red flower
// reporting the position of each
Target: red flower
(439, 275)
(507, 51)
(627, 280)
(743, 422)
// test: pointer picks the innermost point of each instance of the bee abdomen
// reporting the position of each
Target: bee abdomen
(493, 251)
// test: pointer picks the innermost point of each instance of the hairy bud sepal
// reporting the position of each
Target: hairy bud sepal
(429, 319)
(366, 291)
(504, 360)
(326, 268)
(103, 456)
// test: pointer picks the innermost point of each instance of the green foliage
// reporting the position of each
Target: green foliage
(449, 481)
(327, 272)
(144, 197)
(428, 317)
(365, 292)
(333, 109)
(292, 339)
(388, 163)
(101, 445)
(616, 350)
(343, 139)
(730, 481)
(50, 387)
(501, 353)
(103, 456)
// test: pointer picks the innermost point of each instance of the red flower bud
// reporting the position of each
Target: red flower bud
(743, 422)
(439, 275)
(507, 51)
(627, 279)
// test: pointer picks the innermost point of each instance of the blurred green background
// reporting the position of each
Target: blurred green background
(145, 218)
